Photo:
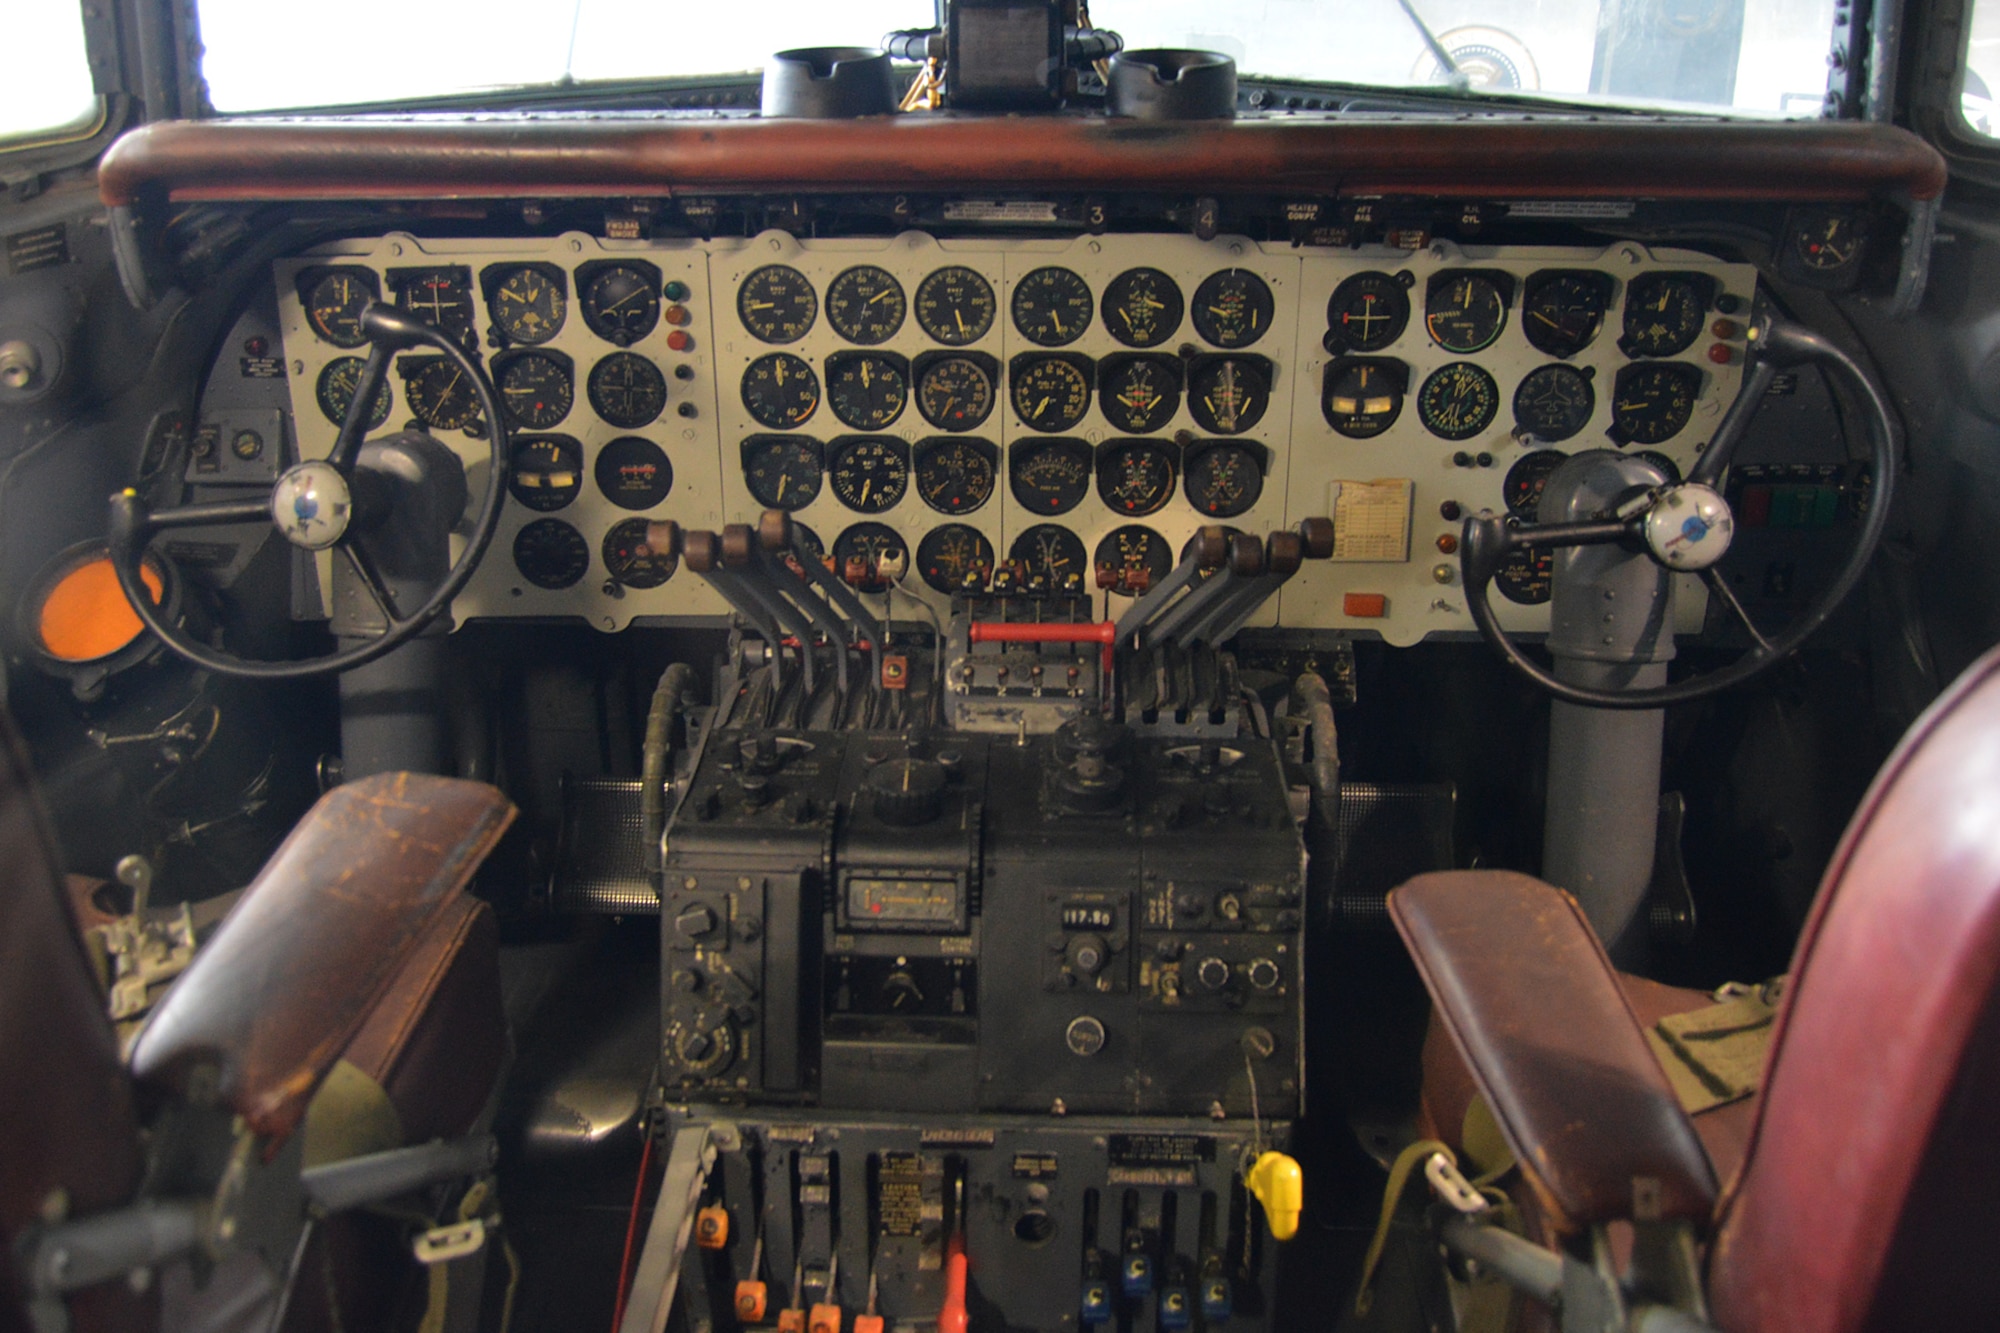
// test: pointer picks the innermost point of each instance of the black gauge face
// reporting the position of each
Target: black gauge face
(1051, 393)
(1139, 394)
(863, 549)
(621, 304)
(335, 391)
(528, 305)
(1667, 466)
(1554, 403)
(1827, 241)
(1663, 314)
(1232, 308)
(1136, 477)
(1132, 559)
(1051, 552)
(1362, 397)
(1458, 401)
(955, 393)
(627, 390)
(547, 471)
(955, 558)
(1366, 313)
(955, 306)
(631, 560)
(955, 476)
(780, 391)
(1052, 307)
(1228, 394)
(1527, 576)
(869, 475)
(438, 392)
(1522, 489)
(783, 472)
(1142, 307)
(441, 297)
(777, 304)
(1050, 477)
(1224, 480)
(865, 305)
(1465, 312)
(551, 554)
(1563, 313)
(334, 303)
(535, 389)
(866, 390)
(633, 473)
(1650, 404)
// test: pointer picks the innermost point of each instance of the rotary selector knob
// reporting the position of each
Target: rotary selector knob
(706, 1050)
(1088, 954)
(694, 921)
(907, 792)
(1263, 973)
(1212, 973)
(1084, 1036)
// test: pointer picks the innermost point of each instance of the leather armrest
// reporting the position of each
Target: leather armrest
(1533, 1004)
(272, 1000)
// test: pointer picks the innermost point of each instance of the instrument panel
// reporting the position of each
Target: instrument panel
(1075, 405)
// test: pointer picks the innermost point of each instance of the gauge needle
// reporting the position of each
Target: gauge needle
(1039, 409)
(1056, 320)
(882, 295)
(1545, 319)
(960, 320)
(784, 480)
(866, 488)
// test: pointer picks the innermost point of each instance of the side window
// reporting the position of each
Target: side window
(45, 87)
(1981, 81)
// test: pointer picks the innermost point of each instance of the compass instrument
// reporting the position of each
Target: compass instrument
(1361, 397)
(955, 558)
(1050, 553)
(1228, 394)
(869, 474)
(865, 305)
(1224, 479)
(1464, 310)
(627, 390)
(1050, 393)
(954, 392)
(1141, 307)
(527, 302)
(334, 298)
(867, 390)
(1049, 477)
(955, 306)
(780, 391)
(955, 474)
(441, 297)
(783, 471)
(546, 471)
(536, 388)
(1562, 310)
(1138, 393)
(551, 554)
(1131, 559)
(631, 560)
(1652, 402)
(335, 391)
(633, 473)
(777, 304)
(1458, 400)
(1232, 308)
(1366, 313)
(1136, 477)
(1554, 402)
(1664, 313)
(620, 302)
(1052, 306)
(438, 392)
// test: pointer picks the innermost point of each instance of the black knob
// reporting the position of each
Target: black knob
(1263, 973)
(907, 792)
(1212, 972)
(694, 921)
(1088, 954)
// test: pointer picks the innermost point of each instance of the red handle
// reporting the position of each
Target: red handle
(952, 1318)
(997, 631)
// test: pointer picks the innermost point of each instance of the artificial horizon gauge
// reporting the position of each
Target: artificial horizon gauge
(1142, 307)
(1050, 393)
(1663, 313)
(782, 471)
(1555, 402)
(1227, 395)
(627, 390)
(1366, 313)
(777, 304)
(955, 474)
(546, 471)
(1052, 552)
(780, 391)
(334, 300)
(873, 548)
(1224, 479)
(551, 554)
(1049, 477)
(866, 390)
(1465, 311)
(954, 393)
(1563, 310)
(1139, 393)
(1052, 306)
(1458, 400)
(633, 473)
(620, 302)
(528, 303)
(955, 306)
(865, 305)
(869, 474)
(631, 560)
(438, 392)
(1136, 477)
(954, 558)
(441, 297)
(1232, 308)
(1527, 479)
(335, 391)
(535, 388)
(1361, 397)
(1652, 402)
(1131, 559)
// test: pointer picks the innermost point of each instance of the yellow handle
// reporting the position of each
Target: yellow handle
(1280, 1186)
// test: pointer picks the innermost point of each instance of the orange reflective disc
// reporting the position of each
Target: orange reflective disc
(86, 615)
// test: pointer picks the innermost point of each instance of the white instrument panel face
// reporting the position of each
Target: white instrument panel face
(1087, 401)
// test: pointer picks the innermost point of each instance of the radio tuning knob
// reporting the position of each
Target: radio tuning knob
(1212, 973)
(1263, 973)
(907, 792)
(1088, 954)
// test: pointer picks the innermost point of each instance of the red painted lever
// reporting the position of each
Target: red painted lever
(996, 631)
(952, 1318)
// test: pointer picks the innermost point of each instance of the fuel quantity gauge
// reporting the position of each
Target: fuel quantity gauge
(1233, 308)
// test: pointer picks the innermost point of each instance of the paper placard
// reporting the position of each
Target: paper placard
(1371, 520)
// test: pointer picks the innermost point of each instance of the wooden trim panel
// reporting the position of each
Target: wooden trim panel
(516, 156)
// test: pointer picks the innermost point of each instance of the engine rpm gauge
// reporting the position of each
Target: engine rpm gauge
(546, 473)
(862, 555)
(1362, 396)
(1049, 477)
(1228, 394)
(782, 471)
(333, 302)
(1562, 310)
(336, 387)
(627, 390)
(777, 304)
(1554, 403)
(1663, 313)
(955, 306)
(1142, 307)
(1136, 477)
(535, 388)
(1366, 313)
(528, 303)
(633, 472)
(631, 560)
(1223, 480)
(1652, 402)
(780, 391)
(955, 475)
(621, 302)
(1051, 553)
(1232, 308)
(1052, 306)
(551, 554)
(1138, 394)
(1464, 312)
(865, 305)
(1131, 559)
(1050, 393)
(869, 474)
(438, 392)
(1525, 481)
(954, 392)
(867, 390)
(955, 558)
(1458, 401)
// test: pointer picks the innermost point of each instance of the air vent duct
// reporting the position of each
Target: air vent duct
(830, 83)
(1172, 85)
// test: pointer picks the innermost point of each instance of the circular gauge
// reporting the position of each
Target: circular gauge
(631, 560)
(1554, 403)
(1366, 313)
(955, 306)
(955, 558)
(1527, 577)
(335, 391)
(1138, 394)
(1136, 477)
(1052, 306)
(1667, 466)
(1232, 308)
(865, 305)
(1052, 552)
(869, 545)
(439, 393)
(535, 390)
(955, 476)
(528, 305)
(1458, 401)
(546, 471)
(1227, 394)
(869, 475)
(1827, 241)
(1525, 481)
(1663, 314)
(1651, 403)
(633, 473)
(621, 304)
(777, 304)
(955, 393)
(1224, 480)
(1142, 307)
(551, 554)
(780, 391)
(1050, 477)
(783, 472)
(1050, 393)
(1465, 312)
(1131, 559)
(334, 304)
(439, 297)
(1562, 313)
(866, 391)
(627, 390)
(1362, 398)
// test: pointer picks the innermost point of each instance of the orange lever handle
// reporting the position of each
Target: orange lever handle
(952, 1318)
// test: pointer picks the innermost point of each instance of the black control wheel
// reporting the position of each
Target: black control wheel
(317, 505)
(1677, 527)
